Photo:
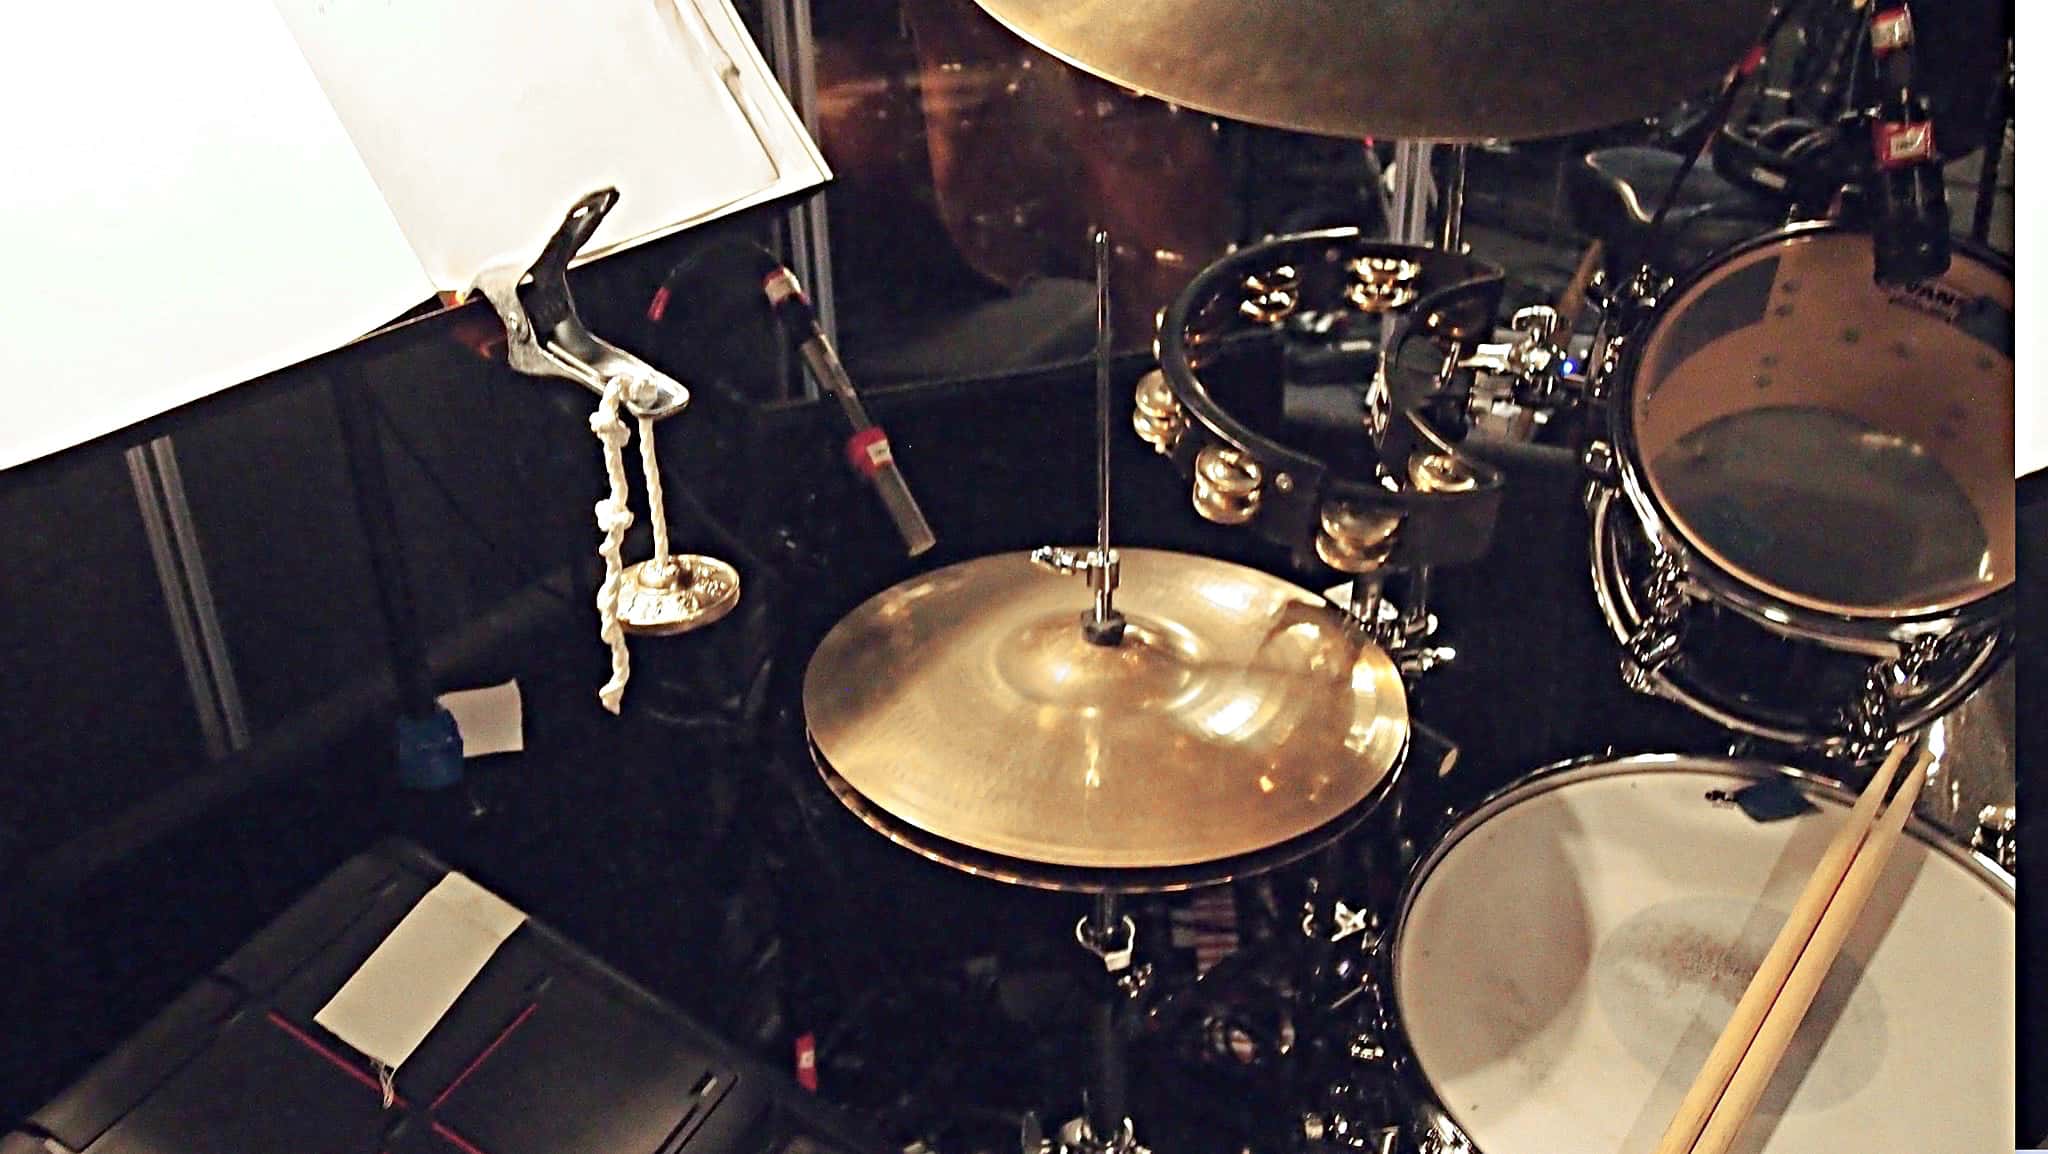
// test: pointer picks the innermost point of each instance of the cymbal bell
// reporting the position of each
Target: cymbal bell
(1420, 69)
(1239, 713)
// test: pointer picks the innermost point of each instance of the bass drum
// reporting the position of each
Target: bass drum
(1804, 522)
(1566, 957)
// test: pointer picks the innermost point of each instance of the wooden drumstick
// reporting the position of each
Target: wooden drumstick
(1775, 1036)
(1572, 301)
(1777, 965)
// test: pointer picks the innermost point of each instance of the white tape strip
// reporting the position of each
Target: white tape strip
(488, 719)
(399, 993)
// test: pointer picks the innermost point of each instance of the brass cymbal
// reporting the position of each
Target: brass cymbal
(1421, 69)
(1239, 713)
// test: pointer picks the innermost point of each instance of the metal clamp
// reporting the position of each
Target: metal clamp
(1115, 958)
(1533, 362)
(546, 338)
(1656, 640)
(1101, 569)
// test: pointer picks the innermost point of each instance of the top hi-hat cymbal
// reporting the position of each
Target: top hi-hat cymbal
(1421, 69)
(1239, 713)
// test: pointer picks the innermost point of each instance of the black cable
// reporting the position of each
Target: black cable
(1724, 104)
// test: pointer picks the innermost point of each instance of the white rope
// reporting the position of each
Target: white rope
(657, 511)
(613, 518)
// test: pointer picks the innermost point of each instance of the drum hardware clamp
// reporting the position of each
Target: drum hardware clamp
(1997, 835)
(545, 337)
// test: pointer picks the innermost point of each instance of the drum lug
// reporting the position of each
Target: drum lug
(1657, 639)
(1435, 1133)
(1872, 719)
(1600, 464)
(1997, 836)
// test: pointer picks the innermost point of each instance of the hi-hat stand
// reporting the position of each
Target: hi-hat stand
(1104, 1126)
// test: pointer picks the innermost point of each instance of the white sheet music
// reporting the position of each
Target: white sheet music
(481, 152)
(203, 194)
(182, 212)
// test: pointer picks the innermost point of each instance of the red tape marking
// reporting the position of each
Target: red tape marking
(1899, 145)
(456, 1140)
(868, 451)
(807, 1062)
(334, 1059)
(485, 1053)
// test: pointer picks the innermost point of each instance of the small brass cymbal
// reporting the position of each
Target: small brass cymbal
(692, 591)
(1239, 712)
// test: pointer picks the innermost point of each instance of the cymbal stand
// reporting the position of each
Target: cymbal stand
(1102, 624)
(1104, 1126)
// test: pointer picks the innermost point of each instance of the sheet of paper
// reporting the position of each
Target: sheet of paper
(181, 212)
(398, 995)
(485, 120)
(489, 719)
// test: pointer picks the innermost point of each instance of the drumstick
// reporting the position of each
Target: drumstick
(1572, 301)
(1775, 1037)
(1777, 965)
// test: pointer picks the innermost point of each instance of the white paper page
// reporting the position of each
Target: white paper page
(181, 212)
(484, 121)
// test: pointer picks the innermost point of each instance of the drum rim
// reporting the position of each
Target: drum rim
(1595, 767)
(1727, 586)
(1614, 592)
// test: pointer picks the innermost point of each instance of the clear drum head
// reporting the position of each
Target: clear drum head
(1840, 446)
(1569, 955)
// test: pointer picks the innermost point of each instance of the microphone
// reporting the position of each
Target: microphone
(867, 450)
(1909, 209)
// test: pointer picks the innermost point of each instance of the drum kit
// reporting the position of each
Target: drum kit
(1801, 528)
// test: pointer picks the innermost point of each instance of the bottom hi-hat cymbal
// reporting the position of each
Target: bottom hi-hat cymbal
(1240, 713)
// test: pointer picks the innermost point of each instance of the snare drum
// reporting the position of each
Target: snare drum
(1804, 522)
(1567, 956)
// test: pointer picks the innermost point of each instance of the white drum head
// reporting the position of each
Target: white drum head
(1568, 958)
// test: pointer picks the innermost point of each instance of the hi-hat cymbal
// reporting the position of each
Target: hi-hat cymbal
(1240, 713)
(1422, 69)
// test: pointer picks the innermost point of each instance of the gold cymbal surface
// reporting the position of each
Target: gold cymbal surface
(1422, 69)
(1238, 713)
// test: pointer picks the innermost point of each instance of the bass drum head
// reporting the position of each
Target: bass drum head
(1563, 965)
(1840, 446)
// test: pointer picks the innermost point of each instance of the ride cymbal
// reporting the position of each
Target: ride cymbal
(1421, 69)
(1240, 712)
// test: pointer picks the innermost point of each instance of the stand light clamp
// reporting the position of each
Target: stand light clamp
(546, 338)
